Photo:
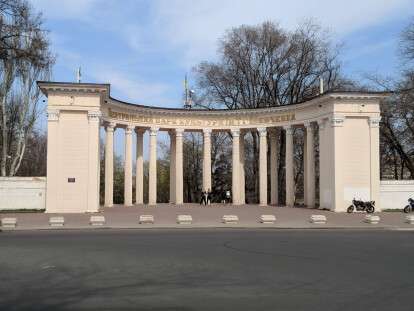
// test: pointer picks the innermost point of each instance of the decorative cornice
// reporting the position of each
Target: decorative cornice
(53, 115)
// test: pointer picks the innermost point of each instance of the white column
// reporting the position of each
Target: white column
(139, 169)
(236, 166)
(207, 159)
(152, 182)
(94, 161)
(375, 160)
(128, 167)
(322, 162)
(172, 166)
(290, 183)
(52, 160)
(179, 166)
(309, 172)
(242, 171)
(109, 165)
(274, 198)
(263, 166)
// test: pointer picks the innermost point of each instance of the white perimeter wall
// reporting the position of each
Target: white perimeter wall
(394, 194)
(22, 193)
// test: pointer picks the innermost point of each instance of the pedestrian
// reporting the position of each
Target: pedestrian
(203, 198)
(209, 197)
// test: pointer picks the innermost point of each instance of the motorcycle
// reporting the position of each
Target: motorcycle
(410, 207)
(358, 205)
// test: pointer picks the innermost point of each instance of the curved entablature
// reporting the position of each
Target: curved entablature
(127, 114)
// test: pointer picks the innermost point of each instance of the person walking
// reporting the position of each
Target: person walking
(203, 198)
(209, 197)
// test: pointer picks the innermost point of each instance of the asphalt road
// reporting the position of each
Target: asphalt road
(207, 270)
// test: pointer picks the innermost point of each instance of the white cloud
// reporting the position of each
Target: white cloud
(132, 88)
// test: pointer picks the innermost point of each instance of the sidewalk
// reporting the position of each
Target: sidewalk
(165, 216)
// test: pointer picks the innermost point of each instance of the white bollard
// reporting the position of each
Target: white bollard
(409, 219)
(9, 222)
(97, 220)
(230, 219)
(372, 219)
(267, 219)
(146, 219)
(184, 219)
(56, 221)
(318, 219)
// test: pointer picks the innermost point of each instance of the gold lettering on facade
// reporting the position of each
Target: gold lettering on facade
(239, 121)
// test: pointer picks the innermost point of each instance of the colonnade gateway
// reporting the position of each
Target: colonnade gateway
(347, 125)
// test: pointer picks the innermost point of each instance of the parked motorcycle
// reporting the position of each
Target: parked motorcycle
(358, 205)
(410, 207)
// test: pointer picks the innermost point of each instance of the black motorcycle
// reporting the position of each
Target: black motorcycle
(358, 205)
(410, 207)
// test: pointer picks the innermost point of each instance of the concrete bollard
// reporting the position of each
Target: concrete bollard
(146, 219)
(97, 220)
(409, 219)
(267, 219)
(9, 222)
(230, 219)
(56, 221)
(372, 219)
(318, 219)
(184, 219)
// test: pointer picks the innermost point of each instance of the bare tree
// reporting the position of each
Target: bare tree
(24, 59)
(265, 65)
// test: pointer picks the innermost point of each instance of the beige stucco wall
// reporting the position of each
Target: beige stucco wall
(22, 193)
(394, 194)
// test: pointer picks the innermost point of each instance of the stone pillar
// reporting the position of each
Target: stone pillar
(263, 166)
(128, 167)
(207, 160)
(274, 198)
(172, 166)
(375, 161)
(242, 185)
(94, 162)
(152, 180)
(52, 160)
(139, 169)
(179, 166)
(290, 183)
(309, 173)
(322, 162)
(236, 167)
(109, 165)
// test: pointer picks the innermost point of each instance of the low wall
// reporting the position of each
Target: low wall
(394, 194)
(17, 193)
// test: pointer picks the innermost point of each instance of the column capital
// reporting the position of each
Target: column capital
(179, 132)
(321, 124)
(171, 133)
(337, 121)
(262, 131)
(308, 125)
(94, 116)
(374, 121)
(154, 131)
(235, 132)
(140, 130)
(53, 115)
(110, 127)
(288, 129)
(207, 132)
(128, 129)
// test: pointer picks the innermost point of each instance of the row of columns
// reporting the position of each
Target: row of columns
(238, 173)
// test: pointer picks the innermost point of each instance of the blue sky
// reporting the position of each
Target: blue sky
(144, 48)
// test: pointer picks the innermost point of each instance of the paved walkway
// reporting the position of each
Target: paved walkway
(165, 216)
